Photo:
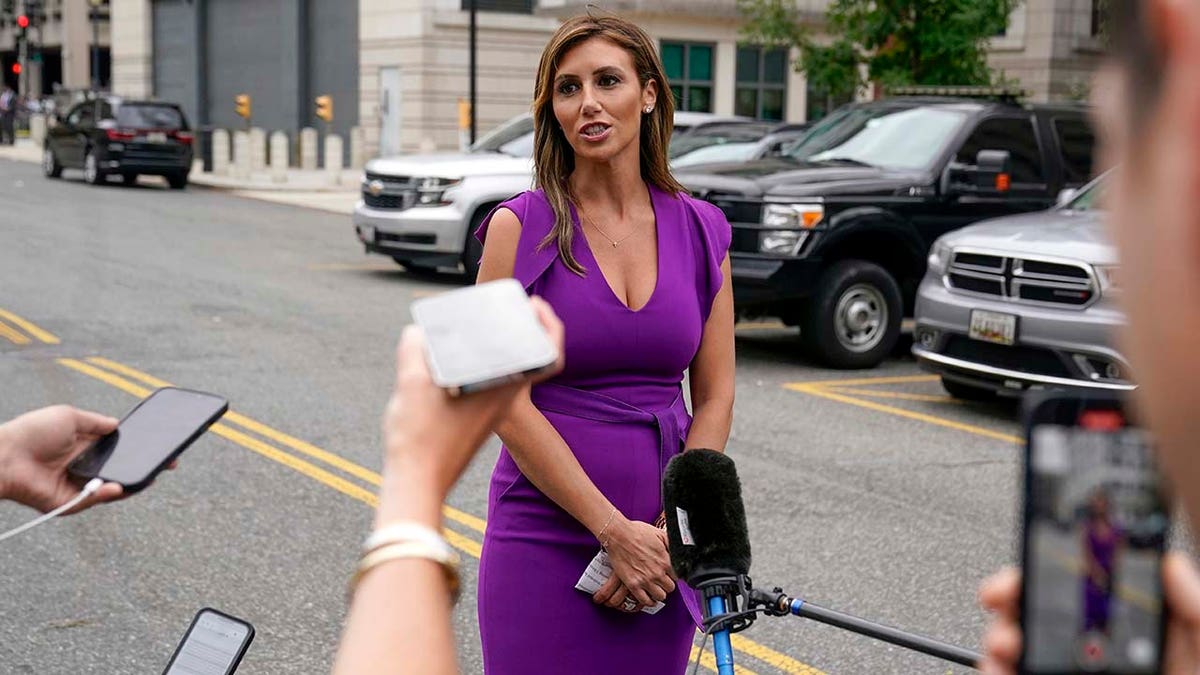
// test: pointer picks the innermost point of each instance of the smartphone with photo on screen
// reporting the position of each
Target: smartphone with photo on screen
(1095, 530)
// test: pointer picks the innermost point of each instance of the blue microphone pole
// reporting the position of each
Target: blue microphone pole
(722, 648)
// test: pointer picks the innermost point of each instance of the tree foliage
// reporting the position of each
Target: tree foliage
(893, 42)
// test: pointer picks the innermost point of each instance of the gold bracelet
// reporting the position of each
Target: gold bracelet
(402, 550)
(404, 530)
(600, 537)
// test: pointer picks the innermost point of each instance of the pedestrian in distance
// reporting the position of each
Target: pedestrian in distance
(1148, 115)
(638, 271)
(8, 116)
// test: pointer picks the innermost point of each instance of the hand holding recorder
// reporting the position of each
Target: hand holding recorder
(37, 447)
(431, 435)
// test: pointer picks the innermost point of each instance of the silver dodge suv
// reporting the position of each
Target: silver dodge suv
(1023, 302)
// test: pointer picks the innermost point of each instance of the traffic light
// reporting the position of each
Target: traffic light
(242, 102)
(325, 107)
(16, 68)
(23, 22)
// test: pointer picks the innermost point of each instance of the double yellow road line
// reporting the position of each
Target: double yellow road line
(21, 332)
(250, 434)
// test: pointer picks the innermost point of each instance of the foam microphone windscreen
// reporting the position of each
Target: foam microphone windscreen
(706, 520)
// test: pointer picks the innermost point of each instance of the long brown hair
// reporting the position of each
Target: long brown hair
(554, 158)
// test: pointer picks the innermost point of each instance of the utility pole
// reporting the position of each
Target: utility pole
(472, 68)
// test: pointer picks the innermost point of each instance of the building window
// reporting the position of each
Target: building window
(761, 83)
(820, 102)
(1098, 16)
(689, 69)
(510, 6)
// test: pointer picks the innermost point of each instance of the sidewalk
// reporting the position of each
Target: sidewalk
(307, 189)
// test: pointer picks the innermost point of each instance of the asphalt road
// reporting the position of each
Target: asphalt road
(867, 492)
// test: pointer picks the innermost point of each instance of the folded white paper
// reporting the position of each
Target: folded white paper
(598, 571)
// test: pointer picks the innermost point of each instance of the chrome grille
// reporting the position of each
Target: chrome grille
(389, 192)
(1029, 280)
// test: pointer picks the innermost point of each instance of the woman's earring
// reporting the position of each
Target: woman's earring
(649, 109)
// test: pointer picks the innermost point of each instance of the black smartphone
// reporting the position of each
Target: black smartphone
(213, 645)
(1096, 525)
(158, 428)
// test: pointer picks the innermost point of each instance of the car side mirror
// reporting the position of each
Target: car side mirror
(990, 175)
(1067, 196)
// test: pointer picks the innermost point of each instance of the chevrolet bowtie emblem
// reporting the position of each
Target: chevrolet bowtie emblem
(375, 188)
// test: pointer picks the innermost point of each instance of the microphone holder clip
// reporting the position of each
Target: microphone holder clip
(735, 589)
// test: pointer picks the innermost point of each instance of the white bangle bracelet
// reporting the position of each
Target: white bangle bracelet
(405, 531)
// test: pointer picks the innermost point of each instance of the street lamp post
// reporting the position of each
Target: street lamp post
(96, 43)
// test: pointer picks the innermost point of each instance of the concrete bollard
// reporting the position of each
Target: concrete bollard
(241, 154)
(279, 157)
(258, 149)
(333, 158)
(308, 149)
(37, 129)
(358, 148)
(220, 152)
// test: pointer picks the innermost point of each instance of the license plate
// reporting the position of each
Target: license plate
(155, 137)
(993, 327)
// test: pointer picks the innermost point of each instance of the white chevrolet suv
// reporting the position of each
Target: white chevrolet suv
(423, 210)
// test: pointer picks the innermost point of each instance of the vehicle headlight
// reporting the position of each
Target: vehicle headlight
(782, 242)
(432, 191)
(1109, 278)
(939, 258)
(793, 216)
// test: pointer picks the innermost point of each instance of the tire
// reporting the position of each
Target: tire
(177, 181)
(416, 270)
(966, 392)
(472, 249)
(853, 319)
(91, 169)
(50, 166)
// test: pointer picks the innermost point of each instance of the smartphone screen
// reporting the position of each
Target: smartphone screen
(1095, 529)
(213, 645)
(159, 428)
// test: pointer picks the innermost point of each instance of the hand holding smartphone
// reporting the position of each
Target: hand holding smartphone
(483, 336)
(149, 438)
(1095, 529)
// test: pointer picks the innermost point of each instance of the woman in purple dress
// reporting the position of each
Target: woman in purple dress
(639, 273)
(1102, 541)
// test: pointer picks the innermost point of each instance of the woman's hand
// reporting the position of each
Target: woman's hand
(1001, 594)
(641, 566)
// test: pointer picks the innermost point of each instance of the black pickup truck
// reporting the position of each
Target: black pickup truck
(833, 237)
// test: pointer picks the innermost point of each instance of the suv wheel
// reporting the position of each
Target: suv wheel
(50, 166)
(853, 320)
(967, 392)
(91, 169)
(177, 181)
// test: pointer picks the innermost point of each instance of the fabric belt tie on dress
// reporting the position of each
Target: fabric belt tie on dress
(670, 422)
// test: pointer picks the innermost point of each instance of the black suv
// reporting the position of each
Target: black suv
(833, 236)
(110, 136)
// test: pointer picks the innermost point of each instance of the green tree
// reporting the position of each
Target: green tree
(893, 42)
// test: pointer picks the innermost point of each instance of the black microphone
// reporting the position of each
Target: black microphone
(709, 542)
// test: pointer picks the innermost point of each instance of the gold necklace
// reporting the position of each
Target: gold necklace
(614, 242)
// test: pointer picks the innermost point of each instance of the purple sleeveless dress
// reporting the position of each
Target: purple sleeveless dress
(619, 406)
